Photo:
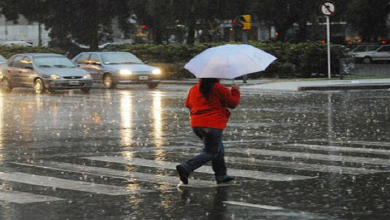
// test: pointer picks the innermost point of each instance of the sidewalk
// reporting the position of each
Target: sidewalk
(300, 85)
(324, 85)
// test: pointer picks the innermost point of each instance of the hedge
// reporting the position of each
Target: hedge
(293, 60)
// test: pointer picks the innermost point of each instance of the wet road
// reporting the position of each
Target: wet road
(112, 155)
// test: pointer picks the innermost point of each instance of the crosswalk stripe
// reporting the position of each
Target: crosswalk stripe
(339, 149)
(305, 166)
(267, 207)
(365, 143)
(68, 184)
(324, 157)
(143, 177)
(204, 169)
(23, 198)
(280, 212)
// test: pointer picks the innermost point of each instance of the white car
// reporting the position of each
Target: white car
(113, 68)
(19, 43)
(382, 53)
(45, 72)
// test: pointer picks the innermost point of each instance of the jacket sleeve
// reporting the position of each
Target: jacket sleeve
(187, 102)
(230, 97)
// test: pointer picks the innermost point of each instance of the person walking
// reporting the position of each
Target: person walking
(209, 103)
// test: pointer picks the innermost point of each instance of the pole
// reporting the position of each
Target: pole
(328, 44)
(244, 41)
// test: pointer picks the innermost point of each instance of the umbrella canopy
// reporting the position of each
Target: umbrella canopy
(229, 61)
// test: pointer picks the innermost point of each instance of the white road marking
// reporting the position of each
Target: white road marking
(23, 198)
(311, 156)
(204, 169)
(306, 166)
(69, 184)
(267, 207)
(339, 149)
(137, 176)
(365, 143)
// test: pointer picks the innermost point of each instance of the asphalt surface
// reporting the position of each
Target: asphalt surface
(111, 154)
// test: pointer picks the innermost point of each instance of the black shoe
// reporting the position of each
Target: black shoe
(225, 179)
(182, 173)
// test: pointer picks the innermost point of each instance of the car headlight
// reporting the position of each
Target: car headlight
(125, 72)
(55, 76)
(156, 71)
(87, 76)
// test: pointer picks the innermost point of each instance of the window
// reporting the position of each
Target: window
(384, 49)
(83, 58)
(26, 62)
(94, 59)
(17, 62)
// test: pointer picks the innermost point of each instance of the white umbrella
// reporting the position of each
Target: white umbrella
(229, 61)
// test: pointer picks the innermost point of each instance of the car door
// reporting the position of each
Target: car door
(13, 71)
(27, 72)
(383, 53)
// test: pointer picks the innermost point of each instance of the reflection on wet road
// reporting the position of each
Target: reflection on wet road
(112, 155)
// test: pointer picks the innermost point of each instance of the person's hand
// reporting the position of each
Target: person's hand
(235, 86)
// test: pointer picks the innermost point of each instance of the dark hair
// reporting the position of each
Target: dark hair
(206, 86)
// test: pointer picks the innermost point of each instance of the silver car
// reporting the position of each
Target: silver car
(113, 68)
(381, 53)
(43, 72)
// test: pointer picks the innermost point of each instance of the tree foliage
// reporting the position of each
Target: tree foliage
(82, 21)
(91, 21)
(369, 18)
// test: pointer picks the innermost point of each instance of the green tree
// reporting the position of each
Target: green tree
(86, 22)
(369, 18)
(283, 14)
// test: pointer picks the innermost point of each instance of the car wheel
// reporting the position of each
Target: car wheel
(367, 60)
(85, 90)
(152, 85)
(6, 85)
(39, 87)
(108, 82)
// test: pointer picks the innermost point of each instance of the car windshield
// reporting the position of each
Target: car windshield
(53, 61)
(120, 58)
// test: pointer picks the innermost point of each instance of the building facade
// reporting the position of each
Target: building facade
(23, 30)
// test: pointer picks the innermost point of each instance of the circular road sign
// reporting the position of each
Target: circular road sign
(328, 8)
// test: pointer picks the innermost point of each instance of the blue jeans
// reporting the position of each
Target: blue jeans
(213, 151)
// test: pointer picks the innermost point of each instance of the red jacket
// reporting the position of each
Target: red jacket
(212, 113)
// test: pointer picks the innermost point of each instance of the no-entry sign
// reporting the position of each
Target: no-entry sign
(328, 8)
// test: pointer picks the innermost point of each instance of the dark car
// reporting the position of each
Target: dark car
(113, 68)
(43, 72)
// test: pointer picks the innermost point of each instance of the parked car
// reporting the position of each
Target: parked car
(113, 68)
(44, 72)
(381, 53)
(19, 43)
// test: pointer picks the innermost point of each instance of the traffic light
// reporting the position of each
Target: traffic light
(246, 22)
(236, 23)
